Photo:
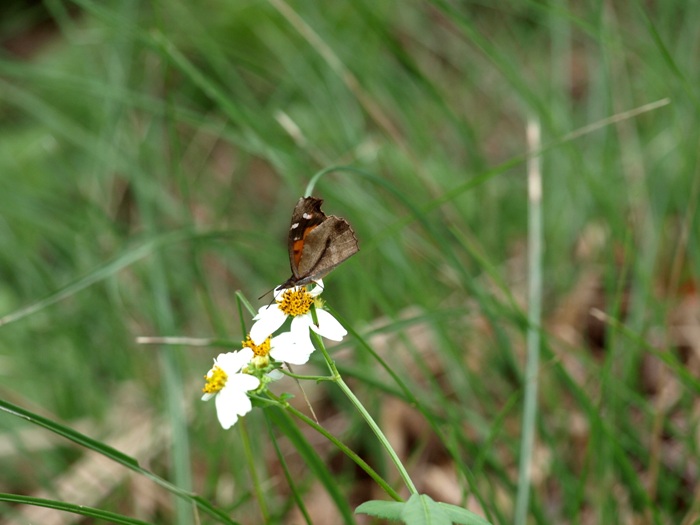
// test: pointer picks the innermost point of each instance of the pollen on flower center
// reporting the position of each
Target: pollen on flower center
(295, 302)
(216, 380)
(261, 357)
(261, 350)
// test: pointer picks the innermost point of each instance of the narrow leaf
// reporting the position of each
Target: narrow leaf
(114, 455)
(81, 510)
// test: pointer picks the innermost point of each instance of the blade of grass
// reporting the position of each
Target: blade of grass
(313, 462)
(535, 244)
(104, 271)
(114, 455)
(80, 510)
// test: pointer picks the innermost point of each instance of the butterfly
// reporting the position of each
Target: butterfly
(317, 242)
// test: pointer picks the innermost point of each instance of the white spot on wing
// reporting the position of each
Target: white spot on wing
(294, 226)
(307, 216)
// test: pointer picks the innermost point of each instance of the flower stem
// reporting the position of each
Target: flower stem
(341, 446)
(368, 418)
(318, 379)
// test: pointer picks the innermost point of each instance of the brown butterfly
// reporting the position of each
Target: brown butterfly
(317, 243)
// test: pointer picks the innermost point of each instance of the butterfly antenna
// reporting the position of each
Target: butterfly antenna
(263, 295)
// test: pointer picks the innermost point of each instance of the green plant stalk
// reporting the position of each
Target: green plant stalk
(288, 475)
(318, 379)
(112, 454)
(344, 448)
(367, 417)
(250, 460)
(534, 320)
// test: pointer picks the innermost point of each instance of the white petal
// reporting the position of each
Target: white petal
(241, 404)
(318, 289)
(269, 319)
(291, 350)
(216, 363)
(294, 355)
(281, 344)
(328, 326)
(262, 311)
(245, 382)
(232, 362)
(300, 326)
(283, 339)
(232, 401)
(207, 397)
(225, 407)
(226, 420)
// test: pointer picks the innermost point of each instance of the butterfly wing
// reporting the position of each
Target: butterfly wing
(325, 247)
(306, 217)
(316, 243)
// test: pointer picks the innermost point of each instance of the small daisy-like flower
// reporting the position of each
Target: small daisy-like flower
(230, 386)
(281, 348)
(296, 303)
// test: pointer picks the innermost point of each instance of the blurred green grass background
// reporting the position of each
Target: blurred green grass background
(150, 157)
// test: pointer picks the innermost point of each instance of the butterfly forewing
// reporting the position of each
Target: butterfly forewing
(306, 217)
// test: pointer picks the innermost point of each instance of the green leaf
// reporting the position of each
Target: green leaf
(81, 510)
(390, 510)
(313, 462)
(69, 433)
(420, 510)
(114, 455)
(102, 272)
(462, 515)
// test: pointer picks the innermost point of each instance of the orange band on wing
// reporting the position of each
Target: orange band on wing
(298, 245)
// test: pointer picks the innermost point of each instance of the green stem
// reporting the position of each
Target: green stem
(318, 379)
(372, 424)
(534, 322)
(259, 492)
(341, 446)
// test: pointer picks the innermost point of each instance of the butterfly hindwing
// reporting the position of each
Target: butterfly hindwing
(326, 246)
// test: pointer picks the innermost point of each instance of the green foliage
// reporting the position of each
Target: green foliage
(81, 510)
(150, 157)
(112, 454)
(420, 510)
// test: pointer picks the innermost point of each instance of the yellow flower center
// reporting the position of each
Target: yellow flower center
(216, 381)
(261, 351)
(295, 302)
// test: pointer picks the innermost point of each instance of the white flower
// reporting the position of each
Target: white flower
(296, 303)
(230, 386)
